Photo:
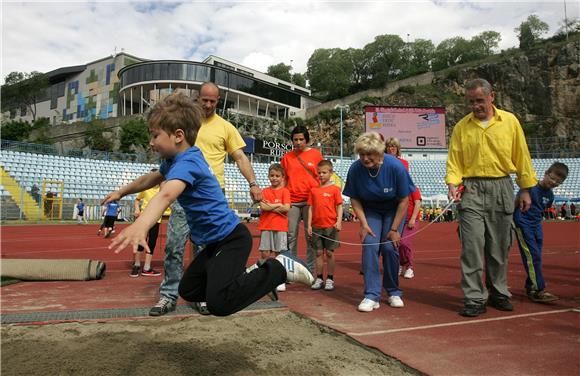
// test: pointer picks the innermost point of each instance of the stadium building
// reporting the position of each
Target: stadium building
(123, 85)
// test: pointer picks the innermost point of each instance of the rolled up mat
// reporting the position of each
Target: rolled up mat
(52, 270)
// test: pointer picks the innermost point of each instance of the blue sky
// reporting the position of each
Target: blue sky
(46, 35)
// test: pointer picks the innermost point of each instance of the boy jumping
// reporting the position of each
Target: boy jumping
(217, 275)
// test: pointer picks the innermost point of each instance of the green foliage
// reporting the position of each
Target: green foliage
(383, 60)
(23, 90)
(280, 71)
(299, 79)
(407, 89)
(133, 132)
(17, 130)
(530, 31)
(329, 71)
(95, 137)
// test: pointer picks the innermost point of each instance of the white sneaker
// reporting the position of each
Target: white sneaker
(367, 305)
(281, 287)
(396, 302)
(329, 285)
(400, 270)
(296, 270)
(317, 285)
(251, 267)
(409, 274)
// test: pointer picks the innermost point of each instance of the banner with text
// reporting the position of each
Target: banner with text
(415, 127)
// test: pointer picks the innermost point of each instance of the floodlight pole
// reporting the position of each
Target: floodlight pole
(341, 107)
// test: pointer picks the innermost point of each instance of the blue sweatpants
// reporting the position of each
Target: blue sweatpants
(530, 240)
(380, 223)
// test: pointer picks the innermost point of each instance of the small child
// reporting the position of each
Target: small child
(411, 226)
(324, 221)
(274, 217)
(81, 211)
(217, 274)
(110, 211)
(529, 231)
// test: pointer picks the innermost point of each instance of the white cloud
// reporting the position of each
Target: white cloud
(42, 36)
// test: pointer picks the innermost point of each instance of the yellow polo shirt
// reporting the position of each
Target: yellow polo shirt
(492, 151)
(146, 196)
(217, 138)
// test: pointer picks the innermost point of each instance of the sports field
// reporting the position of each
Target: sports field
(102, 326)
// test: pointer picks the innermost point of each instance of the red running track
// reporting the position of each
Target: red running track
(427, 334)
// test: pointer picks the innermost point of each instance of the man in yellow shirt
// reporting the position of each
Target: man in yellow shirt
(216, 139)
(486, 146)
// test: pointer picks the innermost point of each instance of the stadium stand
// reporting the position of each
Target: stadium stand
(92, 179)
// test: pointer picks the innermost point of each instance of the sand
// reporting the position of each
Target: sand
(274, 342)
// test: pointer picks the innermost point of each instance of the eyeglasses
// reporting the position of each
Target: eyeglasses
(554, 179)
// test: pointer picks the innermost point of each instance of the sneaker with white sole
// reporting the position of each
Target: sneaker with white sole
(296, 270)
(162, 307)
(281, 287)
(367, 305)
(329, 285)
(409, 273)
(395, 302)
(317, 285)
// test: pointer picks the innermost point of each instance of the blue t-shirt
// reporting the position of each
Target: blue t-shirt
(379, 190)
(112, 209)
(541, 199)
(81, 207)
(208, 215)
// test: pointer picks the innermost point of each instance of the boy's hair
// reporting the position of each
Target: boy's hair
(325, 162)
(174, 112)
(300, 129)
(560, 169)
(276, 167)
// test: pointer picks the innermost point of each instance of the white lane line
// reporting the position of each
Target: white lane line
(360, 334)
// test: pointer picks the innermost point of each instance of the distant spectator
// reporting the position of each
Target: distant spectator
(35, 193)
(81, 211)
(563, 211)
(572, 210)
(48, 200)
(393, 147)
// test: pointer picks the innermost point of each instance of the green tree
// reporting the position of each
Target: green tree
(299, 79)
(450, 52)
(133, 132)
(280, 71)
(329, 73)
(23, 90)
(384, 60)
(95, 137)
(16, 130)
(489, 41)
(417, 57)
(530, 31)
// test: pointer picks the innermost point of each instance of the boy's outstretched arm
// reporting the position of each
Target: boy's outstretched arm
(136, 234)
(142, 183)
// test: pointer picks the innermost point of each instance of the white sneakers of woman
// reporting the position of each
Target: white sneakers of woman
(281, 287)
(367, 305)
(409, 274)
(395, 302)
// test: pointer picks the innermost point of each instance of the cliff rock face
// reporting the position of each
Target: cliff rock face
(542, 87)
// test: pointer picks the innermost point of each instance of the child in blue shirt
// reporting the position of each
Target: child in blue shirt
(111, 211)
(529, 231)
(217, 275)
(81, 211)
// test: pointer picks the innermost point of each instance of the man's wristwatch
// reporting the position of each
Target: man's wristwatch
(253, 184)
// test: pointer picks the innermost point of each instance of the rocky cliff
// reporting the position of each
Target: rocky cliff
(541, 86)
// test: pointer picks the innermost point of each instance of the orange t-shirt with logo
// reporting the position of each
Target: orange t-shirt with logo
(270, 220)
(324, 201)
(299, 181)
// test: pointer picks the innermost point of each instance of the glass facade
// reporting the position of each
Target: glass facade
(150, 72)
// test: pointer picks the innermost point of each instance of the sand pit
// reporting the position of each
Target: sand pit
(259, 343)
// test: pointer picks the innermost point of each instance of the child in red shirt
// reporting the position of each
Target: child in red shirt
(324, 221)
(274, 218)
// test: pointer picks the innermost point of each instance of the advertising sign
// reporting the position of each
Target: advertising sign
(415, 127)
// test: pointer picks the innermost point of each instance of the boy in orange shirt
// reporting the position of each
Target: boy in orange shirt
(274, 218)
(324, 221)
